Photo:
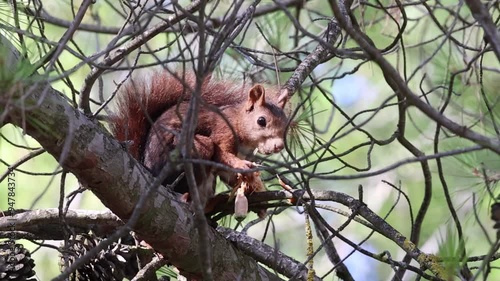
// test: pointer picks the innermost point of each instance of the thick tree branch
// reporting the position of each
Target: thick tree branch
(266, 254)
(46, 223)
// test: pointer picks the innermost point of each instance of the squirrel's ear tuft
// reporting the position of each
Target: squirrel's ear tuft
(256, 96)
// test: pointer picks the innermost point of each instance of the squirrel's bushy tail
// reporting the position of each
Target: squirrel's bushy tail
(139, 103)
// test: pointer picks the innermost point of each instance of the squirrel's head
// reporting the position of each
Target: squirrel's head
(265, 122)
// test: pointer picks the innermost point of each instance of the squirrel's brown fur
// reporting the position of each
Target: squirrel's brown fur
(149, 119)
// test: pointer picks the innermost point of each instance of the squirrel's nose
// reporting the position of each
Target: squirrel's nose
(278, 147)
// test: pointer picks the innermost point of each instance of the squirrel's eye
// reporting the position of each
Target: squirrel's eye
(261, 121)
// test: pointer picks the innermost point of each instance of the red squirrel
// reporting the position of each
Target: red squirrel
(149, 118)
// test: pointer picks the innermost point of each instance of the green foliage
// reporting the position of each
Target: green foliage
(11, 73)
(167, 271)
(451, 251)
(300, 136)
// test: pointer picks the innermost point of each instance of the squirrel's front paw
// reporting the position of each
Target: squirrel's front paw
(244, 164)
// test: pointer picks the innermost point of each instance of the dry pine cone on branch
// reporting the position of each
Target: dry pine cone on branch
(111, 264)
(16, 263)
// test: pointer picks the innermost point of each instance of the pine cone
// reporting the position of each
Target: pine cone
(15, 262)
(111, 264)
